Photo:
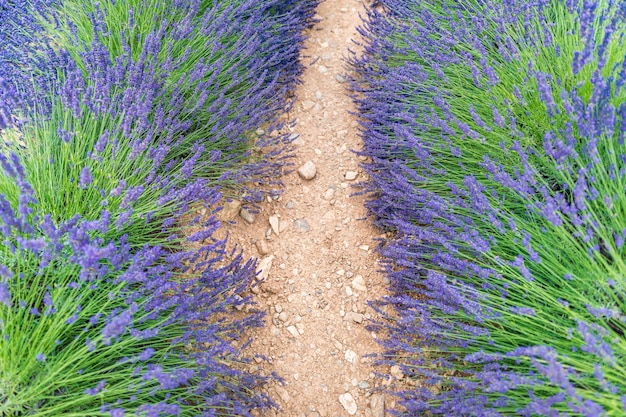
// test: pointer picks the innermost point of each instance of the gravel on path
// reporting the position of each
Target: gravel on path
(317, 266)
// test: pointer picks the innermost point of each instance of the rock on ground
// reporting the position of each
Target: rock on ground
(348, 403)
(377, 405)
(230, 210)
(307, 171)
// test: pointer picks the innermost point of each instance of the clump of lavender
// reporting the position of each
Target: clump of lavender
(92, 326)
(123, 299)
(224, 68)
(166, 102)
(496, 131)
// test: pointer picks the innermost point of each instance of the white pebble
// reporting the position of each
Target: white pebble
(348, 403)
(307, 171)
(351, 356)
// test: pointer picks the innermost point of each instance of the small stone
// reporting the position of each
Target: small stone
(317, 151)
(351, 175)
(340, 78)
(396, 372)
(230, 210)
(278, 308)
(323, 69)
(239, 307)
(329, 216)
(283, 226)
(293, 331)
(349, 291)
(355, 317)
(283, 394)
(290, 205)
(328, 194)
(263, 268)
(262, 247)
(308, 105)
(348, 403)
(307, 171)
(319, 95)
(283, 316)
(377, 405)
(364, 385)
(246, 215)
(301, 226)
(268, 233)
(260, 132)
(275, 224)
(351, 356)
(359, 283)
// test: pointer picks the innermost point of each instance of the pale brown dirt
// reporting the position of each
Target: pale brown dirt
(318, 343)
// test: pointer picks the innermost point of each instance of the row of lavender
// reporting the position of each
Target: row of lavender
(120, 121)
(496, 134)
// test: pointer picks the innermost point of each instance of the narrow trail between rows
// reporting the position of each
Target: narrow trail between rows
(319, 264)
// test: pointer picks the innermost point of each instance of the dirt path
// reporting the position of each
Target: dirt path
(323, 268)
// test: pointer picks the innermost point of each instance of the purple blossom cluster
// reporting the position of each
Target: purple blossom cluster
(211, 75)
(495, 132)
(110, 315)
(126, 300)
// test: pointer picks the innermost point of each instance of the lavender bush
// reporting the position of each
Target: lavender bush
(93, 327)
(496, 132)
(225, 69)
(115, 298)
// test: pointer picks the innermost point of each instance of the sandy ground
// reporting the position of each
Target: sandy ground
(319, 266)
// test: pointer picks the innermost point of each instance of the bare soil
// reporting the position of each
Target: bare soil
(320, 269)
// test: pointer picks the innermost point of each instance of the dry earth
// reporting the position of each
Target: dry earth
(316, 247)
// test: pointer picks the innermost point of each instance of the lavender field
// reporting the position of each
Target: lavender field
(493, 136)
(118, 120)
(496, 136)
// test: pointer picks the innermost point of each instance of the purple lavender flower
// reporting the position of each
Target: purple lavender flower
(503, 199)
(116, 412)
(5, 294)
(85, 178)
(160, 132)
(97, 389)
